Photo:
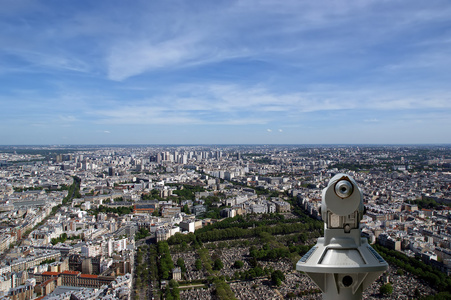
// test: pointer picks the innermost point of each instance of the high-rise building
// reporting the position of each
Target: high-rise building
(111, 171)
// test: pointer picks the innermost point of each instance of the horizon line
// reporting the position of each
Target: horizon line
(227, 144)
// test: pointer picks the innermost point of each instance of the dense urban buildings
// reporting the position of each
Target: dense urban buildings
(193, 222)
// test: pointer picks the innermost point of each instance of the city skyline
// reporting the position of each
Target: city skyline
(230, 218)
(225, 72)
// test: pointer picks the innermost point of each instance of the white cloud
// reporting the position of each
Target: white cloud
(132, 57)
(175, 38)
(234, 105)
(68, 119)
(268, 130)
(54, 61)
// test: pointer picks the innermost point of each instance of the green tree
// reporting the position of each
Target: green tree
(141, 234)
(222, 290)
(165, 262)
(238, 264)
(253, 262)
(386, 289)
(218, 265)
(181, 264)
(198, 264)
(277, 277)
(172, 292)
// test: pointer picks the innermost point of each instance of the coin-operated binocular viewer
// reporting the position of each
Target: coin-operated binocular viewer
(342, 263)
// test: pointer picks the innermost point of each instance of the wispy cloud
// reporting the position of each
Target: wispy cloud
(203, 37)
(68, 119)
(129, 58)
(371, 120)
(237, 105)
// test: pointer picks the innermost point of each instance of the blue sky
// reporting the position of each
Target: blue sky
(225, 72)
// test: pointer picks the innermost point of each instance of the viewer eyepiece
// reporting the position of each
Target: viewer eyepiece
(344, 189)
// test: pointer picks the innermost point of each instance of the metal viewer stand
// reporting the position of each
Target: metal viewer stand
(342, 263)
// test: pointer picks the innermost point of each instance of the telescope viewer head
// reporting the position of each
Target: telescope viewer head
(341, 198)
